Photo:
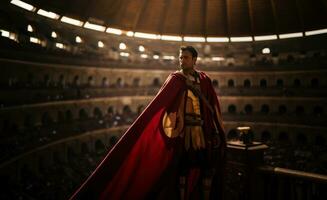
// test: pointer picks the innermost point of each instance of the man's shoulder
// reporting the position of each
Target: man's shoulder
(203, 75)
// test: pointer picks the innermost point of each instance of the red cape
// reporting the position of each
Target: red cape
(144, 156)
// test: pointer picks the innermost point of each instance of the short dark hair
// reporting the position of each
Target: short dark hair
(190, 49)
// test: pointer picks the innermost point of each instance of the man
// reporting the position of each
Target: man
(173, 150)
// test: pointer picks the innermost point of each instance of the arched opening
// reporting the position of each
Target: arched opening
(263, 83)
(247, 83)
(156, 82)
(297, 83)
(68, 116)
(127, 110)
(215, 83)
(105, 82)
(76, 81)
(97, 113)
(248, 109)
(140, 109)
(232, 109)
(280, 83)
(136, 82)
(265, 109)
(46, 119)
(90, 81)
(230, 83)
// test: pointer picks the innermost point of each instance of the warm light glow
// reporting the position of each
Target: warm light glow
(114, 31)
(217, 39)
(29, 28)
(144, 56)
(100, 44)
(130, 33)
(171, 38)
(78, 39)
(95, 27)
(124, 54)
(241, 39)
(35, 40)
(122, 46)
(5, 33)
(156, 57)
(266, 51)
(243, 128)
(168, 57)
(23, 5)
(194, 39)
(54, 34)
(217, 58)
(290, 35)
(265, 37)
(141, 48)
(316, 32)
(60, 46)
(71, 21)
(48, 14)
(146, 35)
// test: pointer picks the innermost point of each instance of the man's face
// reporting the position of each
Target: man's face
(186, 61)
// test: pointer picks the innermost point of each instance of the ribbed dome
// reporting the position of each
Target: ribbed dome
(198, 17)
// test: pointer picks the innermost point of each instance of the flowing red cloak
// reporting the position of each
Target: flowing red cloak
(144, 157)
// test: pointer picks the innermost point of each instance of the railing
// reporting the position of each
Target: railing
(281, 183)
(248, 179)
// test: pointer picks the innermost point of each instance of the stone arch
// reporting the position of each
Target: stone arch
(248, 109)
(127, 110)
(247, 83)
(232, 109)
(68, 116)
(97, 113)
(136, 82)
(264, 109)
(297, 82)
(46, 119)
(156, 82)
(230, 83)
(280, 83)
(263, 83)
(215, 83)
(105, 82)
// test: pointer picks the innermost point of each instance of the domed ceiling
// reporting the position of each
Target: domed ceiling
(220, 18)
